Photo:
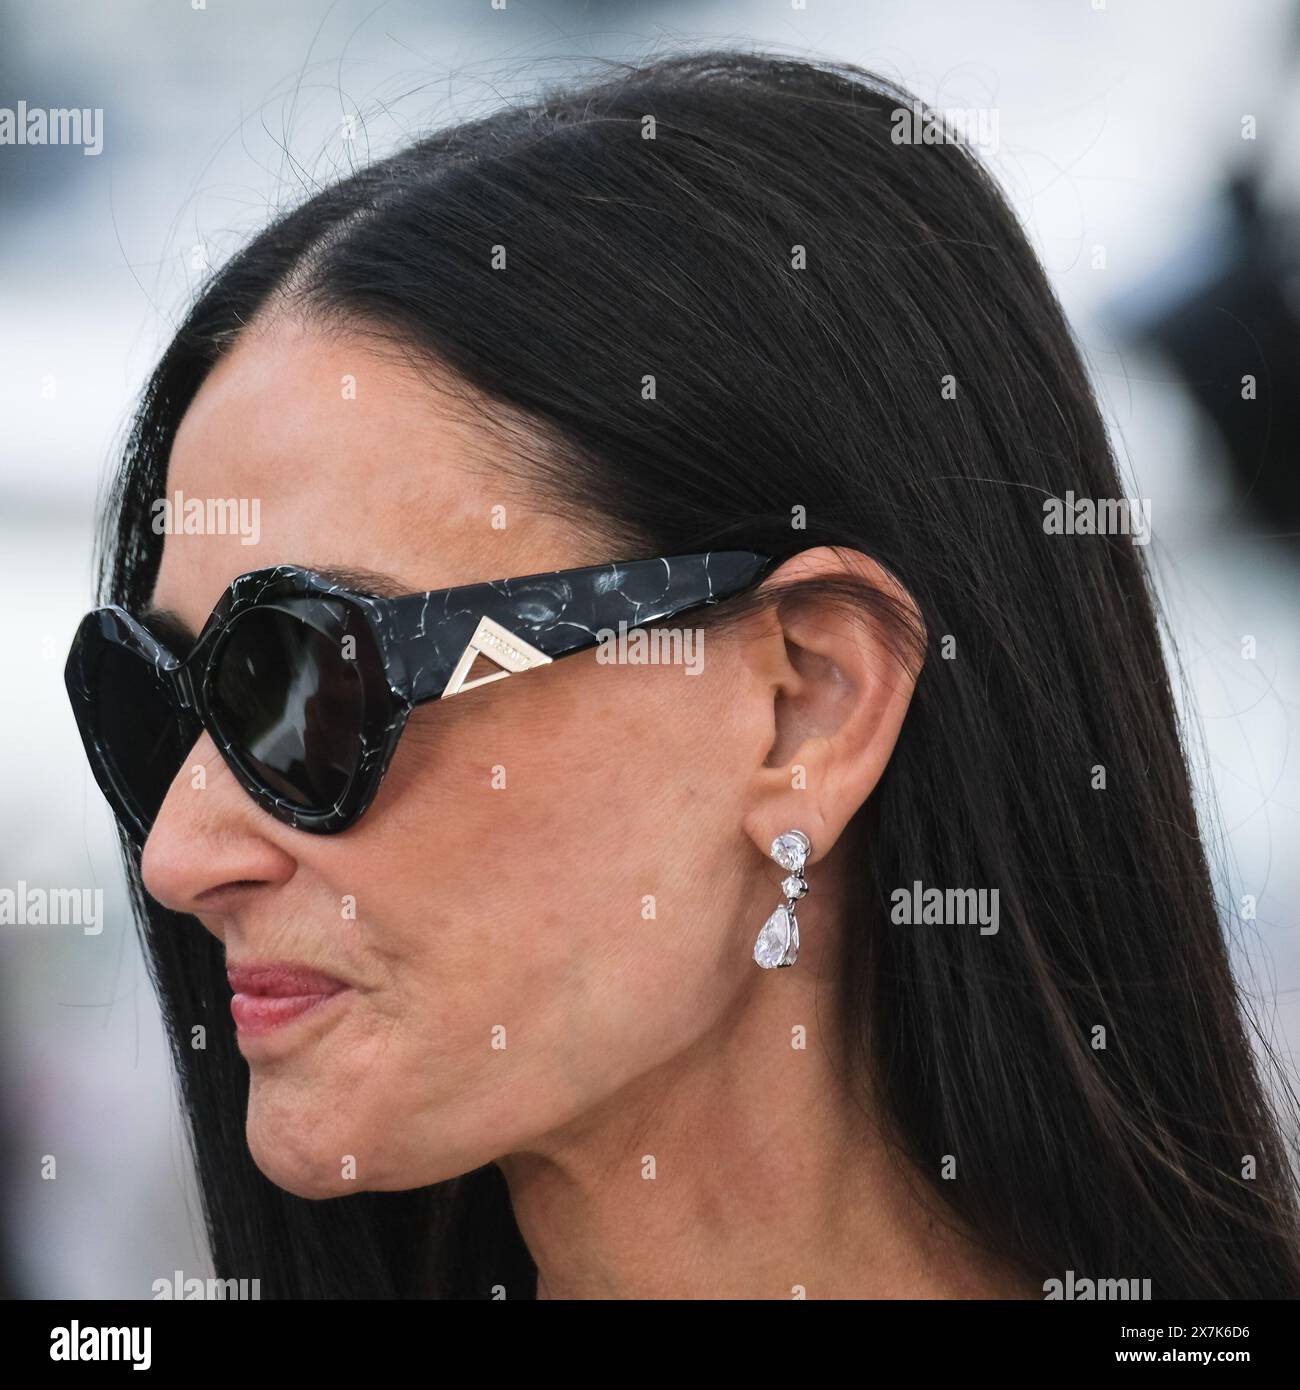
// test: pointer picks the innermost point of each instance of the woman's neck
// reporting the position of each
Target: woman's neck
(743, 1168)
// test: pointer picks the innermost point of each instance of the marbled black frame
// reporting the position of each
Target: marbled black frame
(405, 652)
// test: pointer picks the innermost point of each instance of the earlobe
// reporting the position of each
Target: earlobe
(841, 681)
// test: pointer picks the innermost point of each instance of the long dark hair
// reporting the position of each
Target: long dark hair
(857, 328)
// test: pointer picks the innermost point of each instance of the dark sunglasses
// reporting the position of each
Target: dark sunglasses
(305, 686)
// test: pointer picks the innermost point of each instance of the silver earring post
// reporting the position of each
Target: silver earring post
(778, 942)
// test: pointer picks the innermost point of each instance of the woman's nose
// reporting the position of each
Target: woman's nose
(211, 845)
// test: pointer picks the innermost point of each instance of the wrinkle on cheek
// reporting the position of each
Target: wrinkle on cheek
(387, 1042)
(565, 1013)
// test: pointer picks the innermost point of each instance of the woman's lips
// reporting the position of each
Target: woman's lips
(268, 996)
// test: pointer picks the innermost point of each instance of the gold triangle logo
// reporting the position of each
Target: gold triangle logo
(502, 648)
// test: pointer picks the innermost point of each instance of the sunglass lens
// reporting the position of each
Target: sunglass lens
(141, 734)
(291, 705)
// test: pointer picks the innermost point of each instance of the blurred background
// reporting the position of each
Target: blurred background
(1147, 146)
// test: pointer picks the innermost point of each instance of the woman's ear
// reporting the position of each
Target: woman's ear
(838, 677)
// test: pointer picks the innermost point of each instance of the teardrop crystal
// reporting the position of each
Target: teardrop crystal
(774, 940)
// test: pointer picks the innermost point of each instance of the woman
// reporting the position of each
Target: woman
(759, 410)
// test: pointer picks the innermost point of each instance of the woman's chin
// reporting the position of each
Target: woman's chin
(300, 1163)
(307, 1160)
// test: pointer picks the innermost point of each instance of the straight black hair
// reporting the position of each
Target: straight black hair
(722, 305)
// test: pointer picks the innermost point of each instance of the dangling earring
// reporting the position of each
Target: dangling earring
(778, 942)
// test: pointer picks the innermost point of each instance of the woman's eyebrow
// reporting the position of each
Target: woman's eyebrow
(364, 581)
(168, 627)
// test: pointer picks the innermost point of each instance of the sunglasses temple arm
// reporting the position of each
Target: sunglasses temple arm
(517, 624)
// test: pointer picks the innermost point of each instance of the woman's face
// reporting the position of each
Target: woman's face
(554, 890)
